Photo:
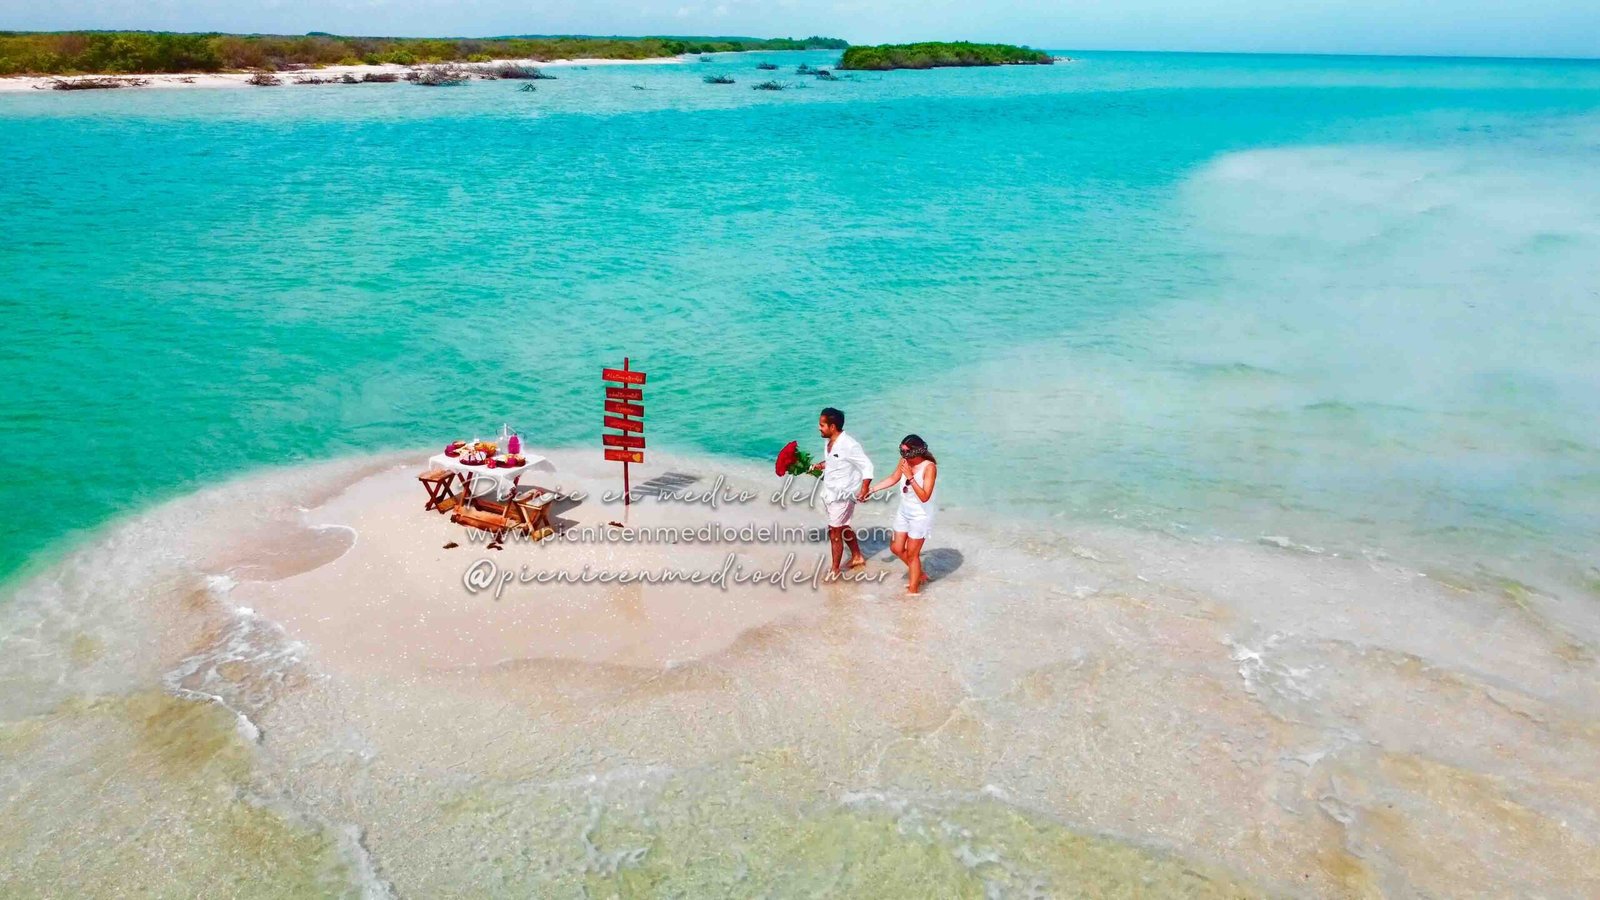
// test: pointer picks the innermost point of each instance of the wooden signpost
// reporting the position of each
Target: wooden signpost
(625, 413)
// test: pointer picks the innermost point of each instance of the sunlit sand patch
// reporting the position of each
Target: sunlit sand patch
(403, 605)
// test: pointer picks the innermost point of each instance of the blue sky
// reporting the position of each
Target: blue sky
(1436, 27)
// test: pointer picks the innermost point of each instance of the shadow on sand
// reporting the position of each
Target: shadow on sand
(936, 563)
(941, 562)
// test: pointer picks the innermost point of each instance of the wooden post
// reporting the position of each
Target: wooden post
(624, 411)
(627, 491)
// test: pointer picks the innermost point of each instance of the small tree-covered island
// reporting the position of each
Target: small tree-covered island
(941, 54)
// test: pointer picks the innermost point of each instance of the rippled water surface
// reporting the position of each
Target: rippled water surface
(1230, 292)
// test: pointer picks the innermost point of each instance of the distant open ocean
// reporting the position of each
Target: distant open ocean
(1326, 309)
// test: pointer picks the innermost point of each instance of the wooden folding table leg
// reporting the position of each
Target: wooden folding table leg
(437, 484)
(448, 501)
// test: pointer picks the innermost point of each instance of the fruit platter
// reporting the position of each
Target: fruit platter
(483, 453)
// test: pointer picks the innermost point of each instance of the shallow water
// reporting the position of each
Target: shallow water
(1098, 712)
(1260, 295)
(1264, 390)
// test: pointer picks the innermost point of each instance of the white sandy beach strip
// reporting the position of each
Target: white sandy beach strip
(241, 79)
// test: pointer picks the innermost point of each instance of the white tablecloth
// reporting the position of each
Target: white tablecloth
(496, 481)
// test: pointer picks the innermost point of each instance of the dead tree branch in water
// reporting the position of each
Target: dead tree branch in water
(444, 75)
(93, 84)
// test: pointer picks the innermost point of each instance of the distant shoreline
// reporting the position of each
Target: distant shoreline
(134, 53)
(171, 80)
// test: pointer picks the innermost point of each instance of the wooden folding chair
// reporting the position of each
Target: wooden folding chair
(531, 512)
(437, 483)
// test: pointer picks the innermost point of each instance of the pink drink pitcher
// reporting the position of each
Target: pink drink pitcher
(514, 445)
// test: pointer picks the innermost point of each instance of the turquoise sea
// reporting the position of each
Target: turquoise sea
(1265, 392)
(1343, 300)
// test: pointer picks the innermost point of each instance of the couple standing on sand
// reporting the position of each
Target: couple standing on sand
(847, 480)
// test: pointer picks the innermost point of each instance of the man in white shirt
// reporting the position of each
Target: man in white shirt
(846, 475)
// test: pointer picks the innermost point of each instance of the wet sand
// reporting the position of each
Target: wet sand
(1084, 711)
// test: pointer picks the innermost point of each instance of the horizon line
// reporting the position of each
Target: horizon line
(666, 36)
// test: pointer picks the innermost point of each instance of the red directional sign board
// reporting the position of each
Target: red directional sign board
(633, 425)
(622, 376)
(625, 413)
(624, 409)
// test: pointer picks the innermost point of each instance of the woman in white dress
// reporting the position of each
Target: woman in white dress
(913, 522)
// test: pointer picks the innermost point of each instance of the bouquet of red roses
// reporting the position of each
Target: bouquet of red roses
(794, 461)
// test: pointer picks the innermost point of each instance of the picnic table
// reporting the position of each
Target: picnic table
(479, 480)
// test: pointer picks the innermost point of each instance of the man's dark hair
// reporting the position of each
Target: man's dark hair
(833, 417)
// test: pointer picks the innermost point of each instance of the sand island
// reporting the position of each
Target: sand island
(1262, 390)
